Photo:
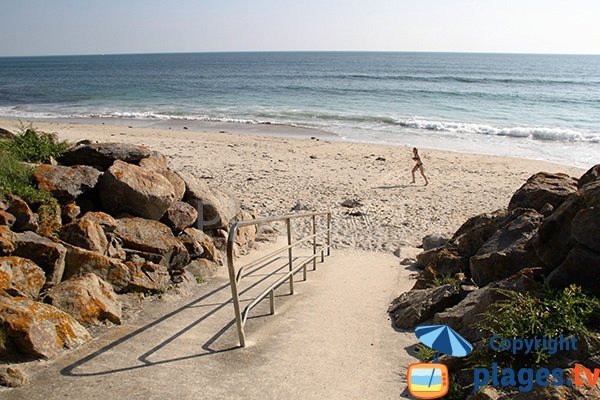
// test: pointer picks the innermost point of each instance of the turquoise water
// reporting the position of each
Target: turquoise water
(537, 106)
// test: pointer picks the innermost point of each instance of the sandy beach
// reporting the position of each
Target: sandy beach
(274, 174)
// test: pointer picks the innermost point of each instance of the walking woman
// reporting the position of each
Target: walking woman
(418, 166)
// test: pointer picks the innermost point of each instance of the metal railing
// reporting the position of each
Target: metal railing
(235, 277)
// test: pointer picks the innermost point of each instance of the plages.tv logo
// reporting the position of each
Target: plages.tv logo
(431, 380)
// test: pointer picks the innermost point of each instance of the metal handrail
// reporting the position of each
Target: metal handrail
(235, 277)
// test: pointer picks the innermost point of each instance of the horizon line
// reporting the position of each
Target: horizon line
(297, 51)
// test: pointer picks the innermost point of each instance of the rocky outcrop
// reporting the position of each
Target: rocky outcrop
(179, 216)
(37, 329)
(152, 237)
(216, 207)
(21, 277)
(87, 234)
(103, 155)
(464, 316)
(25, 219)
(508, 250)
(127, 188)
(585, 228)
(417, 306)
(147, 277)
(200, 245)
(70, 212)
(66, 183)
(543, 188)
(433, 241)
(7, 219)
(591, 176)
(80, 262)
(88, 299)
(581, 267)
(159, 163)
(48, 255)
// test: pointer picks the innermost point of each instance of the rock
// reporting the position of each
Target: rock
(7, 219)
(351, 203)
(464, 316)
(39, 329)
(543, 188)
(591, 194)
(200, 245)
(417, 306)
(25, 219)
(185, 283)
(300, 207)
(554, 240)
(130, 189)
(585, 228)
(179, 216)
(48, 255)
(434, 240)
(103, 155)
(7, 241)
(408, 261)
(245, 236)
(448, 262)
(177, 182)
(216, 207)
(6, 134)
(152, 237)
(87, 234)
(21, 277)
(202, 268)
(155, 162)
(108, 223)
(591, 176)
(508, 250)
(66, 183)
(477, 230)
(70, 212)
(425, 258)
(80, 262)
(547, 210)
(87, 298)
(147, 277)
(581, 267)
(12, 377)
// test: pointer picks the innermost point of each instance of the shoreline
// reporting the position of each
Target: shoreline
(274, 174)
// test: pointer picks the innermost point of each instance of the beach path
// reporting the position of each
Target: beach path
(332, 339)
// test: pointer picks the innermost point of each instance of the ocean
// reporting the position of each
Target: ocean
(535, 106)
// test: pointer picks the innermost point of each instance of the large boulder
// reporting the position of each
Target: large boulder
(508, 250)
(433, 241)
(85, 233)
(543, 188)
(417, 306)
(103, 155)
(80, 262)
(25, 219)
(38, 329)
(216, 207)
(592, 175)
(585, 228)
(155, 162)
(87, 298)
(477, 230)
(158, 163)
(127, 188)
(464, 316)
(7, 241)
(152, 237)
(581, 267)
(179, 216)
(554, 240)
(47, 254)
(147, 277)
(21, 277)
(66, 183)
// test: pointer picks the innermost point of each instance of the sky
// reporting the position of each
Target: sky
(60, 27)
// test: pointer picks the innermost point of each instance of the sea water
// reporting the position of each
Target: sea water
(536, 106)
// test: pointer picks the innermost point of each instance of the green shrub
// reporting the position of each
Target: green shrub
(35, 146)
(442, 280)
(523, 315)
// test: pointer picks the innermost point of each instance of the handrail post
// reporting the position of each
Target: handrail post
(329, 234)
(290, 255)
(234, 287)
(314, 232)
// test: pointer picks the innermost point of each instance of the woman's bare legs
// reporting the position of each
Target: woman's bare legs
(415, 168)
(422, 171)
